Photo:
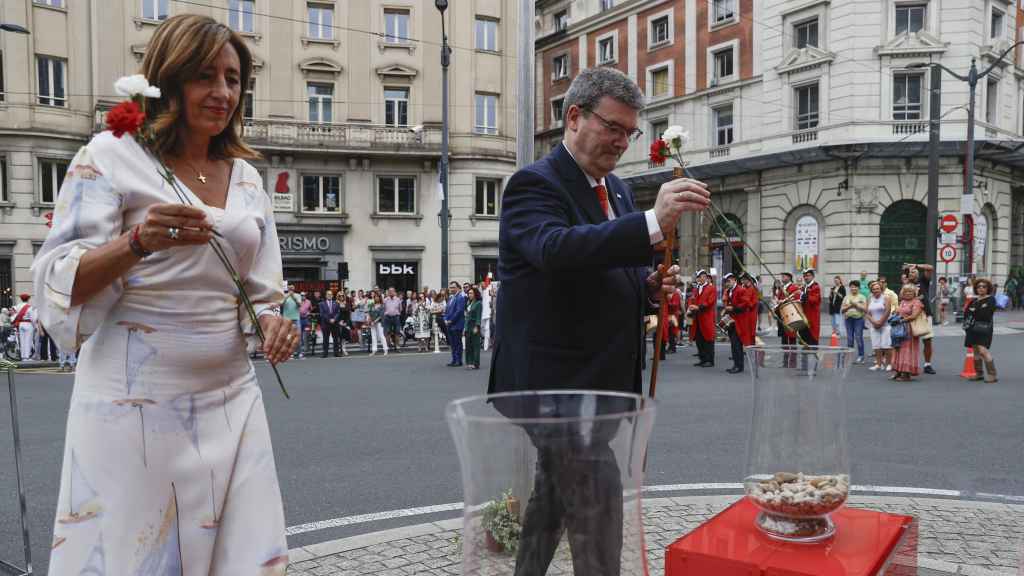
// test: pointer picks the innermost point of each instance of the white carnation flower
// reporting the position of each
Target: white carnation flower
(676, 137)
(134, 85)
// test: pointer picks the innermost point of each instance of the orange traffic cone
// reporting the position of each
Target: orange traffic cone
(834, 342)
(968, 371)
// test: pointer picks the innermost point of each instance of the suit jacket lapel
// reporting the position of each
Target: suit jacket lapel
(578, 186)
(618, 201)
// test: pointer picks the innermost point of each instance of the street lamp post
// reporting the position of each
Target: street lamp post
(971, 79)
(446, 52)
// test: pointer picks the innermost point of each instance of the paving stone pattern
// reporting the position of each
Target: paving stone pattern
(955, 537)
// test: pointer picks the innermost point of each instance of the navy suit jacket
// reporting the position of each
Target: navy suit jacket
(326, 316)
(455, 312)
(573, 290)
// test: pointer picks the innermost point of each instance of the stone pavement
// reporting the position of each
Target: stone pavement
(955, 537)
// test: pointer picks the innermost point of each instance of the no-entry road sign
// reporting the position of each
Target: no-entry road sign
(948, 223)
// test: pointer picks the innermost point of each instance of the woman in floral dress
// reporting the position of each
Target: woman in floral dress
(168, 466)
(905, 362)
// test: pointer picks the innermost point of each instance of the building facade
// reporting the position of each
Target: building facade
(810, 124)
(345, 106)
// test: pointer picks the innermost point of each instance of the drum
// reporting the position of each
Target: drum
(725, 323)
(791, 314)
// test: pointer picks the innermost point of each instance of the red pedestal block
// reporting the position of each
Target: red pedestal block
(866, 543)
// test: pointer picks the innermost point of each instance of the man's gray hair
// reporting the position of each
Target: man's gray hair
(593, 84)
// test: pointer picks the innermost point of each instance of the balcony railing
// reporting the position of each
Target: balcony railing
(270, 132)
(805, 136)
(913, 127)
(718, 152)
(294, 134)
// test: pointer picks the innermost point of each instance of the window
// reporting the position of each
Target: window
(51, 81)
(906, 97)
(54, 3)
(2, 94)
(396, 106)
(3, 180)
(561, 20)
(396, 195)
(807, 107)
(396, 26)
(321, 21)
(487, 197)
(723, 64)
(486, 114)
(606, 50)
(723, 10)
(486, 34)
(240, 15)
(51, 177)
(321, 193)
(321, 98)
(607, 4)
(659, 31)
(992, 101)
(154, 9)
(658, 128)
(248, 101)
(560, 67)
(661, 85)
(997, 23)
(910, 18)
(723, 125)
(806, 34)
(557, 111)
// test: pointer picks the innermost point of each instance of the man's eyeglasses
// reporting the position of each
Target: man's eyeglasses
(617, 129)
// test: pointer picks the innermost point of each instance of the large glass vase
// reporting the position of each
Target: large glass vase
(552, 482)
(798, 470)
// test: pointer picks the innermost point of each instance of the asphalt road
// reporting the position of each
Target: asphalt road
(363, 435)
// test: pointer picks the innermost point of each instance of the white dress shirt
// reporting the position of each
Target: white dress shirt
(653, 229)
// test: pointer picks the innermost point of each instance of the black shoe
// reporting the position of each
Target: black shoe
(699, 364)
(451, 364)
(663, 356)
(323, 356)
(734, 370)
(929, 370)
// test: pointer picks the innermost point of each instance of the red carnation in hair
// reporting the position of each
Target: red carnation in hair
(125, 117)
(659, 151)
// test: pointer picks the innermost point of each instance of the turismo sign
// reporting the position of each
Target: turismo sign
(310, 243)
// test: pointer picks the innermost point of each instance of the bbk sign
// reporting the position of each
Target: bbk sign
(391, 269)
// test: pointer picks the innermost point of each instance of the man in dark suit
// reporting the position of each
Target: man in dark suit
(330, 322)
(455, 321)
(573, 260)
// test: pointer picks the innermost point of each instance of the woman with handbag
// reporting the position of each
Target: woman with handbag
(978, 325)
(910, 311)
(878, 320)
(836, 295)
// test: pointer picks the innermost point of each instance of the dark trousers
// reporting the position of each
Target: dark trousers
(332, 333)
(47, 348)
(577, 489)
(705, 349)
(455, 342)
(737, 348)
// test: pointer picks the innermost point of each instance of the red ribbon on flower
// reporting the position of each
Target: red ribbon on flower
(659, 151)
(125, 117)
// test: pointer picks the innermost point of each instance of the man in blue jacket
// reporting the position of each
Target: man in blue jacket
(574, 258)
(455, 319)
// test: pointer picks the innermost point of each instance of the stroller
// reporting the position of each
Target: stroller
(408, 330)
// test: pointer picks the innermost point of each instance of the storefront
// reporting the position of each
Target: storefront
(402, 275)
(310, 254)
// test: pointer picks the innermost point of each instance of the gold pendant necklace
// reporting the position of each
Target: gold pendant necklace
(199, 173)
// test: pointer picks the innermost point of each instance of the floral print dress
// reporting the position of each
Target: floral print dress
(168, 466)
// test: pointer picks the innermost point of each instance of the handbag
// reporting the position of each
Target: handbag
(899, 331)
(978, 328)
(920, 326)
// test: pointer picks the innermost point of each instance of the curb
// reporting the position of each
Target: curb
(332, 547)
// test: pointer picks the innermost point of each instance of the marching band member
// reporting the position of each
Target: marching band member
(733, 299)
(810, 297)
(703, 310)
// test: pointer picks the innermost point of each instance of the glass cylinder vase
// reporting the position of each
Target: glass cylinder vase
(798, 470)
(551, 482)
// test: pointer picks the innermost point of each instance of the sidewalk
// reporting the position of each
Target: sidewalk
(955, 537)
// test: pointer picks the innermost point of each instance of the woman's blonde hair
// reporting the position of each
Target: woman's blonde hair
(180, 48)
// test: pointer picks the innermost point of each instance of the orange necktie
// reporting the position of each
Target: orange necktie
(602, 197)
